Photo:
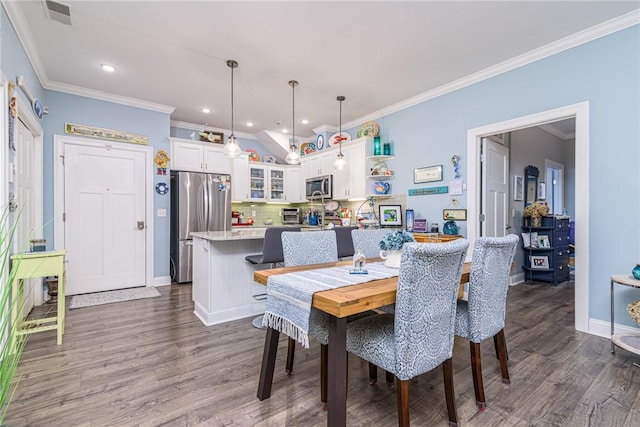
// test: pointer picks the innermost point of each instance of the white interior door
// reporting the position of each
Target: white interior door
(495, 188)
(104, 199)
(25, 194)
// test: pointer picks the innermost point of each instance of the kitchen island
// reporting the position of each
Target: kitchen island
(223, 286)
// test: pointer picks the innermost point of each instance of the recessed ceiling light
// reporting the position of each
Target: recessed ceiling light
(285, 130)
(250, 124)
(206, 110)
(305, 122)
(108, 68)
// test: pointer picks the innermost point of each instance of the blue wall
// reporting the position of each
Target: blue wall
(86, 111)
(605, 72)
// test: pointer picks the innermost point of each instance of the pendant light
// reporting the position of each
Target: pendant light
(340, 162)
(293, 158)
(231, 148)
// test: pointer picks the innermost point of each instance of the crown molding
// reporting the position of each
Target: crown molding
(325, 128)
(20, 26)
(199, 127)
(608, 27)
(109, 97)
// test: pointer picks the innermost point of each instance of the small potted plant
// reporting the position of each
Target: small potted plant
(536, 211)
(391, 247)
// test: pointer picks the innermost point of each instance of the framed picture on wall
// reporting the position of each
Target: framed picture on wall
(390, 215)
(542, 191)
(518, 188)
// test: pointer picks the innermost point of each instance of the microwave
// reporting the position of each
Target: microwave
(320, 187)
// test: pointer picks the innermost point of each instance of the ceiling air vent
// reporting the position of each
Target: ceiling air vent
(57, 12)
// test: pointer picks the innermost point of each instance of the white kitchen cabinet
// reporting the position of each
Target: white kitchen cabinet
(195, 156)
(215, 161)
(259, 182)
(351, 182)
(277, 184)
(240, 178)
(295, 185)
(320, 164)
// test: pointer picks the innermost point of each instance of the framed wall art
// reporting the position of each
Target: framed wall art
(390, 215)
(455, 214)
(428, 174)
(518, 188)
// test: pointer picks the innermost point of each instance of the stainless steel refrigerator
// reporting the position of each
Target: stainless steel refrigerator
(199, 202)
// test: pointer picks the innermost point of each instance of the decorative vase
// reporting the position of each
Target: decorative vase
(636, 272)
(391, 258)
(450, 228)
(536, 221)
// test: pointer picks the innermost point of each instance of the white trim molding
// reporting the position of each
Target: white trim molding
(602, 328)
(613, 25)
(581, 113)
(162, 281)
(109, 97)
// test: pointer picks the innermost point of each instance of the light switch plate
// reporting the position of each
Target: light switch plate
(12, 173)
(162, 213)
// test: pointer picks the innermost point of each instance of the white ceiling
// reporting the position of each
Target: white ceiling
(375, 53)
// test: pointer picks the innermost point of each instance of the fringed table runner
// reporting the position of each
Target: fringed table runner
(289, 295)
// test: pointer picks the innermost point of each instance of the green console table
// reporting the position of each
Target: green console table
(31, 265)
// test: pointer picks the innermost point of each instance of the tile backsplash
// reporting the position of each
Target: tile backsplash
(260, 212)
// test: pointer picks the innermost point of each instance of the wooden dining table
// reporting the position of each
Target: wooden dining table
(339, 303)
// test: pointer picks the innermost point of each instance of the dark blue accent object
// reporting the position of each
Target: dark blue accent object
(450, 228)
(636, 272)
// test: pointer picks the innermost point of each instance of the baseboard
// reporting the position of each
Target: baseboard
(602, 328)
(516, 279)
(161, 281)
(210, 319)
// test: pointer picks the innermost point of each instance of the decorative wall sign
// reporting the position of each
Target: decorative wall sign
(456, 214)
(428, 174)
(428, 191)
(114, 135)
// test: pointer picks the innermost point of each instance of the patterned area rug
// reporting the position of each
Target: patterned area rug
(99, 298)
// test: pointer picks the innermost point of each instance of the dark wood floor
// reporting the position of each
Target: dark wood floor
(151, 362)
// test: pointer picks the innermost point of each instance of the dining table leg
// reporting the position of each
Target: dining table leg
(337, 384)
(268, 363)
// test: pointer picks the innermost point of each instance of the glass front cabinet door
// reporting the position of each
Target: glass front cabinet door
(258, 182)
(276, 185)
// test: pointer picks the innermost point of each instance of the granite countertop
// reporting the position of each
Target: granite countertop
(252, 233)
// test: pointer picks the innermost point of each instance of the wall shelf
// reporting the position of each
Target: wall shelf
(380, 177)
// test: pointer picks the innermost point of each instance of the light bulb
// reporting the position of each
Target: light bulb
(293, 158)
(340, 162)
(231, 148)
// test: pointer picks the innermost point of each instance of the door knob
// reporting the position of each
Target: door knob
(140, 225)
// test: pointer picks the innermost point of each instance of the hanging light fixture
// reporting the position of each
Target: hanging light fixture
(340, 162)
(231, 148)
(293, 158)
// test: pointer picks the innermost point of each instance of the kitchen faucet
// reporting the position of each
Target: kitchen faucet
(321, 194)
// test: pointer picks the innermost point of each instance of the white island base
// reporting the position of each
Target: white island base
(223, 286)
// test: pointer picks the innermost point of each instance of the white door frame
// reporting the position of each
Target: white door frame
(59, 141)
(31, 121)
(557, 166)
(581, 113)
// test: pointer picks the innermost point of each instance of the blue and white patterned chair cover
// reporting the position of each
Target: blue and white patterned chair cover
(368, 241)
(419, 337)
(306, 248)
(309, 247)
(483, 315)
